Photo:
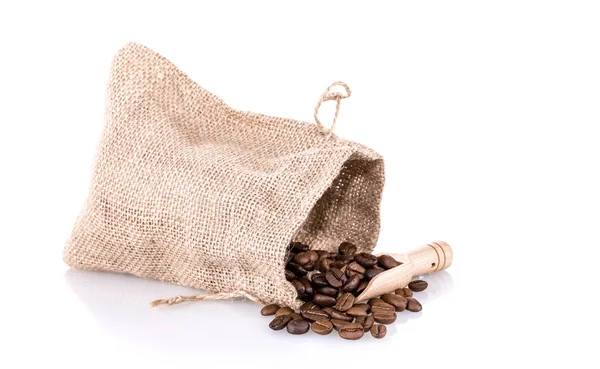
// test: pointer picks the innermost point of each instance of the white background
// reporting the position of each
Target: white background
(487, 114)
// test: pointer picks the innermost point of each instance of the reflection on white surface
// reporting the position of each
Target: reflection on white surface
(121, 305)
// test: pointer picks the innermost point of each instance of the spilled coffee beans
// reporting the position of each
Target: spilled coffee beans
(329, 283)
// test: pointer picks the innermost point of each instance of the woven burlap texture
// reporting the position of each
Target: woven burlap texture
(187, 190)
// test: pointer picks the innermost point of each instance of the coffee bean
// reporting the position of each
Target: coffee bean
(284, 311)
(338, 264)
(302, 258)
(313, 315)
(329, 291)
(289, 275)
(297, 247)
(308, 288)
(322, 254)
(398, 302)
(298, 326)
(365, 307)
(387, 262)
(324, 300)
(279, 322)
(335, 277)
(377, 301)
(417, 286)
(378, 331)
(294, 316)
(355, 268)
(366, 259)
(313, 257)
(406, 292)
(323, 265)
(310, 266)
(269, 309)
(372, 272)
(319, 280)
(385, 318)
(297, 269)
(345, 301)
(336, 314)
(309, 306)
(322, 327)
(351, 331)
(338, 324)
(351, 284)
(346, 259)
(361, 287)
(413, 305)
(347, 248)
(356, 311)
(366, 321)
(384, 306)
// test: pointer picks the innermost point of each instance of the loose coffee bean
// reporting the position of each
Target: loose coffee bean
(323, 265)
(329, 291)
(345, 301)
(351, 284)
(338, 324)
(309, 267)
(322, 327)
(361, 287)
(383, 307)
(413, 305)
(309, 306)
(356, 311)
(346, 248)
(324, 300)
(336, 314)
(417, 286)
(365, 307)
(406, 292)
(398, 302)
(297, 269)
(269, 309)
(279, 322)
(299, 286)
(387, 262)
(372, 272)
(302, 258)
(314, 315)
(284, 311)
(308, 288)
(376, 301)
(378, 331)
(366, 259)
(366, 321)
(319, 280)
(335, 277)
(322, 254)
(346, 259)
(351, 331)
(355, 268)
(297, 247)
(294, 316)
(312, 256)
(384, 317)
(289, 275)
(298, 326)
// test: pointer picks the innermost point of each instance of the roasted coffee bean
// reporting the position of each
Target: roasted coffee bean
(309, 306)
(302, 258)
(324, 300)
(387, 262)
(383, 306)
(338, 324)
(289, 275)
(336, 314)
(366, 259)
(351, 284)
(322, 254)
(298, 326)
(323, 265)
(335, 277)
(284, 311)
(346, 259)
(372, 272)
(345, 301)
(319, 280)
(378, 331)
(365, 307)
(413, 305)
(351, 331)
(269, 309)
(309, 267)
(297, 247)
(356, 311)
(312, 256)
(346, 248)
(417, 286)
(338, 264)
(366, 321)
(376, 301)
(299, 286)
(313, 315)
(308, 287)
(355, 268)
(329, 291)
(406, 292)
(322, 327)
(361, 287)
(279, 322)
(398, 302)
(295, 316)
(383, 314)
(297, 269)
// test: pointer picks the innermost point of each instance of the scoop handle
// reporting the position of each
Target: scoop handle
(433, 257)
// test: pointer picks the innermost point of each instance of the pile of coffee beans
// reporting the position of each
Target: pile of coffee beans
(329, 283)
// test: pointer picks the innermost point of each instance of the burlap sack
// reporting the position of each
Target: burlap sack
(190, 191)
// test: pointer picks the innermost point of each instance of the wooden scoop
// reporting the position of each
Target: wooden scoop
(422, 260)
